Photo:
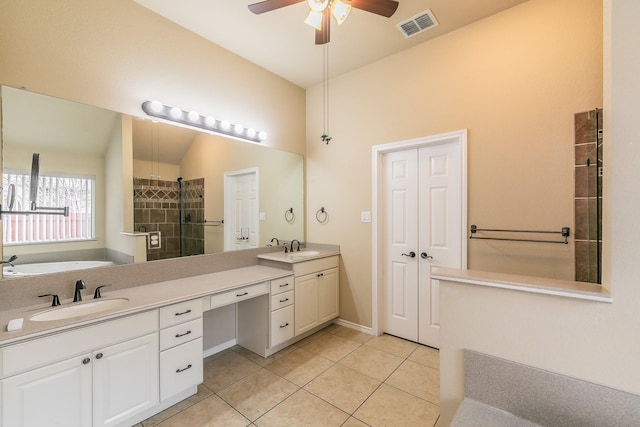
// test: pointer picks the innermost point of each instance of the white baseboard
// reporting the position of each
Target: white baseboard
(217, 349)
(351, 325)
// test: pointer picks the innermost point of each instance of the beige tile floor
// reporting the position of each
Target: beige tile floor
(336, 377)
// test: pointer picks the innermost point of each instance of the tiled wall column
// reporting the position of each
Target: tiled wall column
(192, 228)
(588, 195)
(156, 208)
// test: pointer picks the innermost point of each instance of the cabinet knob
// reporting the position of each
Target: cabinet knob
(320, 274)
(99, 356)
(86, 361)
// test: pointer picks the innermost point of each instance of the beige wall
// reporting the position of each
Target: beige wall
(281, 178)
(514, 80)
(117, 54)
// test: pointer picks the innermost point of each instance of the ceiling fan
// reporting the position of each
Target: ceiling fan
(321, 10)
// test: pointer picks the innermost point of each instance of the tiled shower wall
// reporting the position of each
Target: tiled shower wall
(157, 208)
(192, 229)
(588, 195)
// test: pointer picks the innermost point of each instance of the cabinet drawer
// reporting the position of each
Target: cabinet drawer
(180, 368)
(281, 300)
(49, 349)
(240, 294)
(180, 334)
(281, 285)
(180, 312)
(281, 325)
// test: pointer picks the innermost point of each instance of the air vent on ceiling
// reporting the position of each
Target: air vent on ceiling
(417, 24)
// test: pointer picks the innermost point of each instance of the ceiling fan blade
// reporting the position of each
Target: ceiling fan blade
(380, 7)
(269, 5)
(322, 35)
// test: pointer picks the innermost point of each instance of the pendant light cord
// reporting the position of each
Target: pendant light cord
(325, 95)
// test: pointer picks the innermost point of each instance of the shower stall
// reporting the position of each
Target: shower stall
(588, 196)
(174, 212)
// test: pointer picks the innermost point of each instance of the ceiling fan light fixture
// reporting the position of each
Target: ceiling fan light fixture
(340, 10)
(314, 19)
(318, 5)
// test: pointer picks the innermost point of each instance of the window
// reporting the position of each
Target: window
(76, 192)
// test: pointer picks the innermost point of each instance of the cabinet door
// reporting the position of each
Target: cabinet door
(55, 395)
(328, 295)
(126, 380)
(306, 305)
(181, 367)
(282, 322)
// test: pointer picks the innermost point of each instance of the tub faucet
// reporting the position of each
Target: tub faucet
(77, 296)
(10, 260)
(298, 242)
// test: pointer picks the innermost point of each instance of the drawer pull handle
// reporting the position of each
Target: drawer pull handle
(181, 335)
(284, 300)
(86, 361)
(285, 325)
(243, 294)
(99, 356)
(183, 312)
(184, 369)
(284, 285)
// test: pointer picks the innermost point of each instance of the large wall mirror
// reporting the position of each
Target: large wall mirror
(138, 190)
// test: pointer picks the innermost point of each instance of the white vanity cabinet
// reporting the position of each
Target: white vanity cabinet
(281, 315)
(100, 375)
(180, 347)
(267, 322)
(316, 293)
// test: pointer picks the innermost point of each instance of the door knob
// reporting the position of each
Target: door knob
(410, 254)
(425, 255)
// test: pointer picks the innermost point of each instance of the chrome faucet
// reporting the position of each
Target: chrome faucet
(77, 296)
(277, 241)
(10, 260)
(298, 242)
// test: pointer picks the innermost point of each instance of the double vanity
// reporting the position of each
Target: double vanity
(139, 350)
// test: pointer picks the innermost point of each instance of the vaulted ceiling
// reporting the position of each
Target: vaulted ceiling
(282, 43)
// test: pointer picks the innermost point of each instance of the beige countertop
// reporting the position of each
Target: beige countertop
(140, 298)
(538, 285)
(305, 254)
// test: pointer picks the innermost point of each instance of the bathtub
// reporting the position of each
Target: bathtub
(36, 269)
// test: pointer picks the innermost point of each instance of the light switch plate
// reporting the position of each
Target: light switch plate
(365, 216)
(263, 216)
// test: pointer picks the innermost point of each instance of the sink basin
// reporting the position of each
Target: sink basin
(77, 310)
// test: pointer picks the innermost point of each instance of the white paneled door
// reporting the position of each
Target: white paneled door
(241, 205)
(422, 201)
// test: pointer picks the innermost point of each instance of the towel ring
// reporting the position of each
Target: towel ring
(322, 216)
(289, 216)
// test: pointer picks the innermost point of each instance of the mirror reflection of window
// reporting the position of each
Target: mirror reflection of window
(76, 192)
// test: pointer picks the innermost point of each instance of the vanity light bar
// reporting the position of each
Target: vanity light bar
(207, 123)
